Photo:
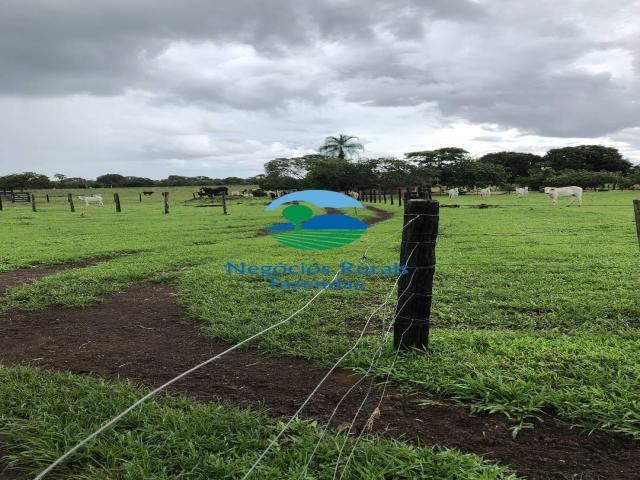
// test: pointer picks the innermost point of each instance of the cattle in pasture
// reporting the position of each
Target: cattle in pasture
(485, 192)
(453, 193)
(147, 193)
(235, 194)
(557, 192)
(271, 194)
(212, 191)
(354, 195)
(97, 199)
(246, 193)
(522, 192)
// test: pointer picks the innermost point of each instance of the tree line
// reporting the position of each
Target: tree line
(338, 167)
(587, 166)
(32, 180)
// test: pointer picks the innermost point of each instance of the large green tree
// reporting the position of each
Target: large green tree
(342, 146)
(25, 180)
(587, 157)
(516, 164)
(438, 158)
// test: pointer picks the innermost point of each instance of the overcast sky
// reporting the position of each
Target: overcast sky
(211, 87)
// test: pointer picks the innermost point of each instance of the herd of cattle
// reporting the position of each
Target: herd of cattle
(554, 194)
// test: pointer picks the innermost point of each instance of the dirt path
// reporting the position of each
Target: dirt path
(380, 214)
(24, 275)
(142, 335)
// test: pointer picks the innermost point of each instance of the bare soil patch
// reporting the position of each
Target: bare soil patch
(141, 334)
(380, 214)
(25, 275)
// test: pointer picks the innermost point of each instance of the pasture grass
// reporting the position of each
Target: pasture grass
(536, 308)
(43, 414)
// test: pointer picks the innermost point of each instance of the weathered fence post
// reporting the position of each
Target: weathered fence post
(140, 197)
(399, 197)
(418, 253)
(48, 198)
(636, 210)
(224, 203)
(0, 203)
(116, 198)
(33, 202)
(165, 197)
(70, 200)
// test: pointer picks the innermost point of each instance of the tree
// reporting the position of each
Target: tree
(342, 146)
(330, 173)
(472, 173)
(516, 164)
(25, 180)
(587, 157)
(438, 158)
(111, 180)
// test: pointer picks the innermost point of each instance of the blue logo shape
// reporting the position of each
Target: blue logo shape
(322, 232)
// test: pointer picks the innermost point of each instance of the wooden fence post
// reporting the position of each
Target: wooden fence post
(224, 203)
(636, 210)
(418, 253)
(116, 198)
(399, 197)
(70, 200)
(165, 197)
(33, 202)
(0, 202)
(140, 197)
(48, 201)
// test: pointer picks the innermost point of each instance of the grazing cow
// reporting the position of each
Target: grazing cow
(147, 193)
(235, 194)
(485, 192)
(557, 192)
(212, 192)
(354, 195)
(453, 193)
(271, 194)
(97, 199)
(522, 192)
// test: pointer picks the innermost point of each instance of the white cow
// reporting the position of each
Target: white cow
(485, 192)
(557, 192)
(453, 193)
(522, 192)
(354, 195)
(97, 199)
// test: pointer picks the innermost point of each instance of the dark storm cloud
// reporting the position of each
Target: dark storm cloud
(513, 64)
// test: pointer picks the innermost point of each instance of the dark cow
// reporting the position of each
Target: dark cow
(212, 192)
(147, 193)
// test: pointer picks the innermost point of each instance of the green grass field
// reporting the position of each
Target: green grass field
(536, 310)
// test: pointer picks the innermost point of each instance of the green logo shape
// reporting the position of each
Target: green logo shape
(321, 232)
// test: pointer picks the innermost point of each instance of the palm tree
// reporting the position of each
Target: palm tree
(341, 146)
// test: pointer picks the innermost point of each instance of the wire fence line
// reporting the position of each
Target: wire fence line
(162, 387)
(329, 372)
(364, 400)
(375, 360)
